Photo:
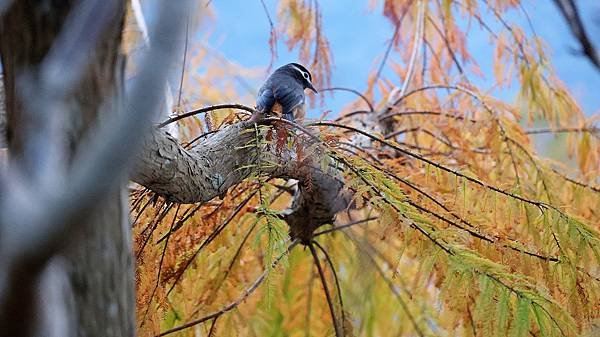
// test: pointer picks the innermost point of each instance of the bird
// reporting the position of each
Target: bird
(283, 92)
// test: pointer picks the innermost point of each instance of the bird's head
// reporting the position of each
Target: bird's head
(300, 73)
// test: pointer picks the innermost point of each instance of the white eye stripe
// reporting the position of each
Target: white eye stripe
(304, 74)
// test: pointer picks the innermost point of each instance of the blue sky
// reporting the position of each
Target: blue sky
(358, 37)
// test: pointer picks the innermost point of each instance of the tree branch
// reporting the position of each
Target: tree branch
(568, 9)
(232, 154)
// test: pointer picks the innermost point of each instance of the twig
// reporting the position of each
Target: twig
(210, 238)
(140, 212)
(229, 267)
(153, 226)
(350, 114)
(337, 282)
(569, 11)
(160, 264)
(272, 35)
(434, 113)
(185, 48)
(444, 36)
(393, 39)
(206, 109)
(573, 181)
(418, 38)
(363, 97)
(338, 332)
(213, 327)
(337, 228)
(593, 130)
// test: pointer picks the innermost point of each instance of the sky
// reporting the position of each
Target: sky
(358, 37)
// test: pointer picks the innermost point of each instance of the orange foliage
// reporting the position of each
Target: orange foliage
(473, 231)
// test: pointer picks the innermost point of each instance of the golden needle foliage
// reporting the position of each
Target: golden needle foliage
(472, 232)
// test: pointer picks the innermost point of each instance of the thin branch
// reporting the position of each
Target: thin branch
(140, 212)
(210, 238)
(418, 38)
(573, 181)
(185, 49)
(160, 264)
(337, 228)
(229, 268)
(387, 51)
(138, 196)
(593, 130)
(213, 327)
(392, 40)
(448, 47)
(191, 211)
(433, 113)
(153, 225)
(337, 282)
(411, 223)
(351, 114)
(569, 11)
(338, 331)
(272, 35)
(473, 233)
(356, 92)
(206, 109)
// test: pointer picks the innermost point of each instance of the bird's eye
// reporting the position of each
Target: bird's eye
(305, 75)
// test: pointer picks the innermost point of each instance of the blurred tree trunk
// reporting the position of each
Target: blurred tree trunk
(100, 293)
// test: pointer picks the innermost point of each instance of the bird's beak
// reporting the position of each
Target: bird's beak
(311, 87)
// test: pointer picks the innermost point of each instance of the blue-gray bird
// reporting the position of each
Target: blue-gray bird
(283, 92)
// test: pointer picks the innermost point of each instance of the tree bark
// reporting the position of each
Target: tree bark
(230, 155)
(99, 296)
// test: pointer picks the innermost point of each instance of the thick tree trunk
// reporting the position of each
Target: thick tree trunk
(101, 272)
(99, 296)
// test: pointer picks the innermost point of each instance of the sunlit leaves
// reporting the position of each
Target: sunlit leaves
(488, 238)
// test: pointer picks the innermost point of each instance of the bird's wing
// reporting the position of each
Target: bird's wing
(290, 97)
(265, 100)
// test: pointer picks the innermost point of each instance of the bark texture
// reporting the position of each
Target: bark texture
(230, 155)
(201, 174)
(98, 263)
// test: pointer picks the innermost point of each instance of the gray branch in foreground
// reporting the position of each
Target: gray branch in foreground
(43, 219)
(2, 117)
(568, 9)
(228, 156)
